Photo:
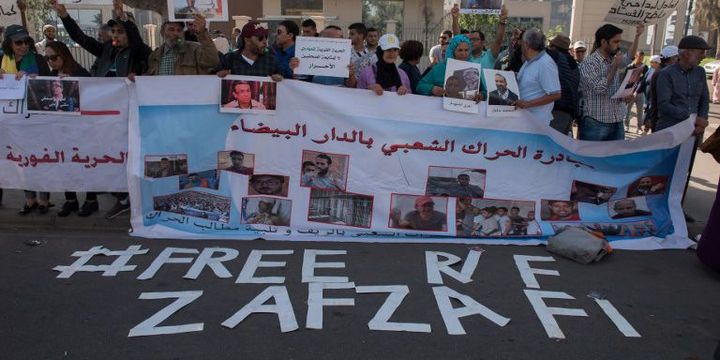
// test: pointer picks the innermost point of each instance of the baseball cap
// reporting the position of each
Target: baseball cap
(48, 26)
(669, 51)
(655, 59)
(579, 45)
(693, 42)
(389, 41)
(423, 200)
(561, 41)
(16, 33)
(253, 28)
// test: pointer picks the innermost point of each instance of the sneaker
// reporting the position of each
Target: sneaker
(27, 209)
(68, 208)
(88, 208)
(117, 210)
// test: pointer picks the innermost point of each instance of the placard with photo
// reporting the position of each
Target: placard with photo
(248, 95)
(503, 92)
(491, 7)
(184, 10)
(462, 86)
(51, 95)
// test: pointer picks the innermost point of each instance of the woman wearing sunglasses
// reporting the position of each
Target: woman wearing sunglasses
(63, 64)
(19, 58)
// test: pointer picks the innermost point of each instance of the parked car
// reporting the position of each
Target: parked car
(710, 68)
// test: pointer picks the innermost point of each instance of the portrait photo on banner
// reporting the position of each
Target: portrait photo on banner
(418, 212)
(462, 86)
(503, 92)
(628, 208)
(340, 208)
(209, 179)
(455, 182)
(495, 218)
(626, 229)
(53, 96)
(559, 210)
(265, 211)
(325, 171)
(212, 10)
(591, 193)
(480, 7)
(268, 184)
(248, 95)
(160, 166)
(236, 161)
(196, 204)
(648, 185)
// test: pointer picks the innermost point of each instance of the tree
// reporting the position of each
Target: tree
(707, 14)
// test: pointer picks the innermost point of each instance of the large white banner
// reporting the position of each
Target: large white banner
(348, 165)
(56, 152)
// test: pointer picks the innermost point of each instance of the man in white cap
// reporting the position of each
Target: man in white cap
(579, 50)
(668, 56)
(49, 32)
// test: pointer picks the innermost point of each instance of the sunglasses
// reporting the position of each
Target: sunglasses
(21, 42)
(51, 57)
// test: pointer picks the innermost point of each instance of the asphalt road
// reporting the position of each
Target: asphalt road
(668, 297)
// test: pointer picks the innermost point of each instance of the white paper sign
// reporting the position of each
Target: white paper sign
(630, 83)
(462, 85)
(11, 89)
(323, 56)
(641, 12)
(480, 7)
(9, 13)
(503, 92)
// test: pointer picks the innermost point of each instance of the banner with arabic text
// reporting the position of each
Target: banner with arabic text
(56, 152)
(333, 164)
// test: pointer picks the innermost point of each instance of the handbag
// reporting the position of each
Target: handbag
(711, 145)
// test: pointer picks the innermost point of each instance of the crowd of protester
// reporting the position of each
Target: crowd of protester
(561, 83)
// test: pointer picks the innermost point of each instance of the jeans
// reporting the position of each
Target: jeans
(639, 104)
(562, 122)
(593, 130)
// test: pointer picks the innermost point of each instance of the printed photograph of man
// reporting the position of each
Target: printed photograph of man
(208, 179)
(247, 96)
(53, 96)
(329, 172)
(195, 204)
(454, 86)
(340, 208)
(648, 185)
(533, 228)
(591, 193)
(266, 211)
(511, 217)
(502, 95)
(559, 210)
(480, 6)
(265, 184)
(236, 161)
(185, 9)
(455, 182)
(418, 213)
(165, 165)
(471, 78)
(626, 208)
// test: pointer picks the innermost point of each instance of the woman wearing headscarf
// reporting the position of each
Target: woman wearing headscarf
(432, 83)
(20, 58)
(385, 75)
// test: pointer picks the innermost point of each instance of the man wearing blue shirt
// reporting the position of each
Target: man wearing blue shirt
(538, 78)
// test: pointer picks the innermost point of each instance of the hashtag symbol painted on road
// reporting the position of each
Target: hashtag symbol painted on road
(120, 264)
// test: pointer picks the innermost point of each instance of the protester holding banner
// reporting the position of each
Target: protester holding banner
(600, 78)
(19, 58)
(538, 80)
(385, 75)
(566, 109)
(123, 55)
(480, 54)
(179, 57)
(253, 59)
(668, 56)
(410, 52)
(432, 83)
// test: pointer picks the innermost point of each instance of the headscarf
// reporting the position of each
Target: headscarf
(454, 42)
(387, 74)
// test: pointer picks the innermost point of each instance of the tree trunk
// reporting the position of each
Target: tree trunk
(159, 7)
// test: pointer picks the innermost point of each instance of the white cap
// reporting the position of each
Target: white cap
(655, 59)
(389, 41)
(669, 51)
(579, 45)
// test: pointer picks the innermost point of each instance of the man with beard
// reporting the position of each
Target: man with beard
(645, 187)
(464, 189)
(267, 185)
(265, 215)
(49, 32)
(179, 57)
(424, 217)
(562, 211)
(502, 96)
(253, 59)
(237, 158)
(627, 208)
(323, 179)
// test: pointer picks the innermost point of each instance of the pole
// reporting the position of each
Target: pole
(687, 18)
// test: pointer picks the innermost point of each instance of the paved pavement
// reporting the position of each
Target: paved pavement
(667, 297)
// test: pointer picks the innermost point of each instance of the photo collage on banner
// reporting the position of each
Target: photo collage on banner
(59, 96)
(248, 94)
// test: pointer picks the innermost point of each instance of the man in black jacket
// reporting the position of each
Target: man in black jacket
(565, 109)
